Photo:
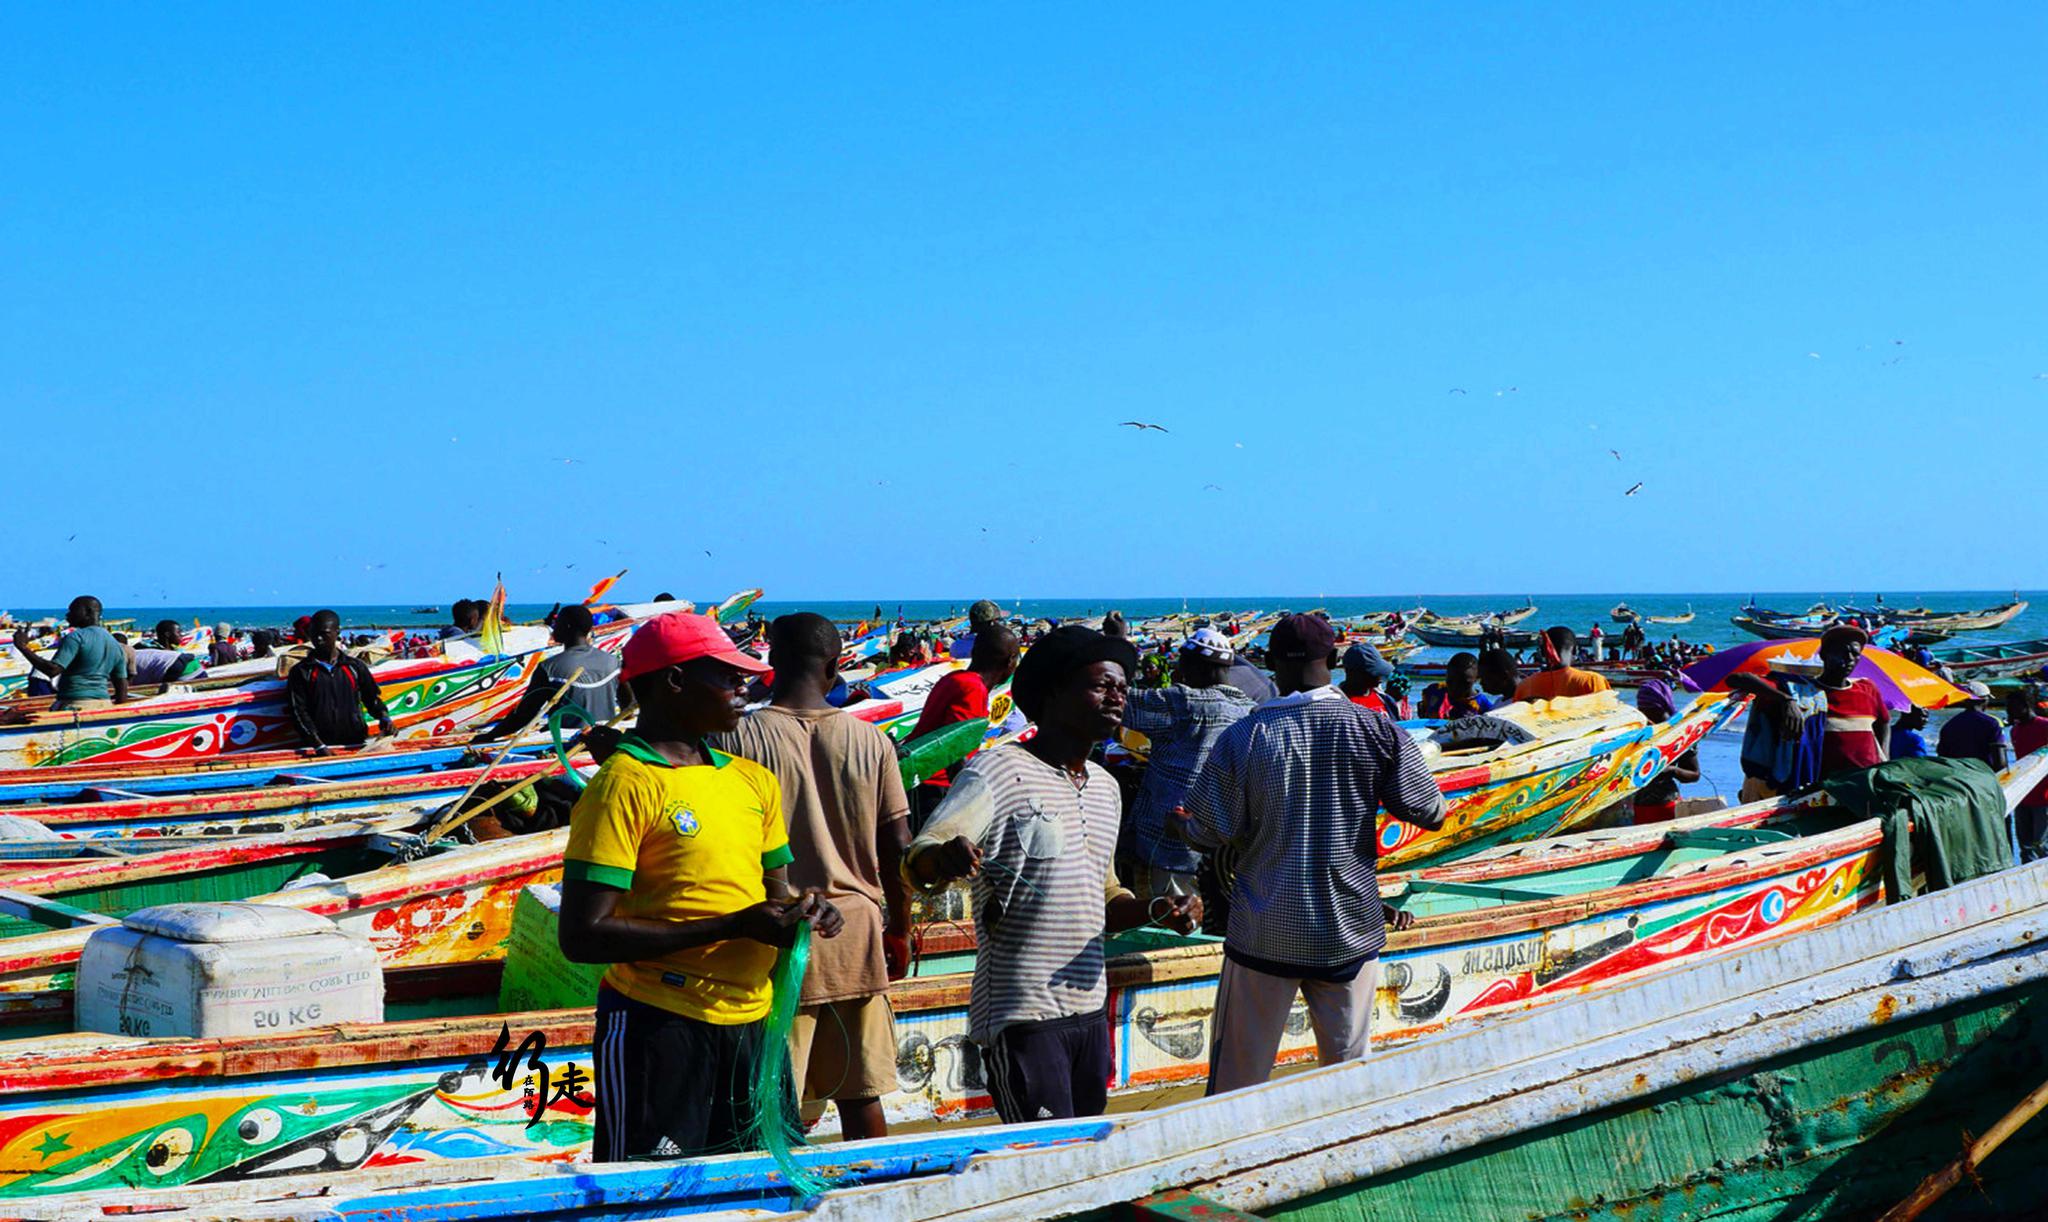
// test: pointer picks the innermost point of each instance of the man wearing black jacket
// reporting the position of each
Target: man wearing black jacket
(329, 690)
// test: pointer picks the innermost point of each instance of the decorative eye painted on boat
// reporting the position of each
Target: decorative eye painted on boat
(1773, 907)
(260, 1127)
(169, 1151)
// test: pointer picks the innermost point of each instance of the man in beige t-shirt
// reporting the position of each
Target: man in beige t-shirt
(843, 799)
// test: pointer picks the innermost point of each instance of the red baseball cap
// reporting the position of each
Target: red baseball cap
(677, 637)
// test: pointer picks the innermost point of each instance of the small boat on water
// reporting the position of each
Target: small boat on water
(1500, 619)
(1986, 663)
(1469, 636)
(1625, 614)
(1758, 623)
(1946, 621)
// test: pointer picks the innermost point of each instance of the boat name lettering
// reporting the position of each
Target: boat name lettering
(1499, 958)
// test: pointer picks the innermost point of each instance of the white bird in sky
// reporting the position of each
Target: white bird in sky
(1637, 487)
(1141, 425)
(1510, 390)
(1814, 355)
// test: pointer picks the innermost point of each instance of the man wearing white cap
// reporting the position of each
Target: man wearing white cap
(1183, 722)
(1973, 734)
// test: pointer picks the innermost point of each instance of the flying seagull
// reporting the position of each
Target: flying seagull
(1456, 390)
(1141, 425)
(1510, 390)
(1637, 487)
(1616, 453)
(1814, 355)
(1212, 487)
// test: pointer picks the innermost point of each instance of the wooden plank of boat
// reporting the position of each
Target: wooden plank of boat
(239, 770)
(426, 697)
(1833, 1039)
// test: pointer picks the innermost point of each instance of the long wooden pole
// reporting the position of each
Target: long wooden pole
(1973, 1156)
(458, 816)
(439, 829)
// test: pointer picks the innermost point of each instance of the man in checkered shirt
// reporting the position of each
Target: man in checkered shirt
(1296, 787)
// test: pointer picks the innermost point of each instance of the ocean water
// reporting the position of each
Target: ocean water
(1580, 611)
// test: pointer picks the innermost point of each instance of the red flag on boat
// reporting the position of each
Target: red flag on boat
(598, 591)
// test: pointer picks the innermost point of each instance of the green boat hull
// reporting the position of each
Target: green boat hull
(1843, 1130)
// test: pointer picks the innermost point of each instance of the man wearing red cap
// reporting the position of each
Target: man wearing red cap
(675, 875)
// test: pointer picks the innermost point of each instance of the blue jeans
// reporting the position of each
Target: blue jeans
(2030, 831)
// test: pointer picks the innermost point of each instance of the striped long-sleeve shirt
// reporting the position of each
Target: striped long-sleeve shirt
(1297, 787)
(1046, 877)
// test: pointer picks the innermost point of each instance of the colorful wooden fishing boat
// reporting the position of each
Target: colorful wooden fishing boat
(93, 782)
(1984, 663)
(1588, 752)
(292, 801)
(426, 698)
(1812, 1077)
(509, 1097)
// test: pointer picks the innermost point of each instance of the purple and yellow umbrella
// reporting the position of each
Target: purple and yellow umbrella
(1903, 683)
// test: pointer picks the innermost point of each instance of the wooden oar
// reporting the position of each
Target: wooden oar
(458, 816)
(1972, 1157)
(441, 829)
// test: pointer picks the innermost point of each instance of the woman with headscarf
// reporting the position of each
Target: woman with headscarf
(1657, 802)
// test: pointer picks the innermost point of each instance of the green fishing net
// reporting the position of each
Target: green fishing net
(776, 1126)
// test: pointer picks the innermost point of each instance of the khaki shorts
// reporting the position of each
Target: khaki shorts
(1755, 790)
(844, 1049)
(80, 706)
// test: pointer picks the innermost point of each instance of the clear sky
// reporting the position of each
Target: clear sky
(365, 303)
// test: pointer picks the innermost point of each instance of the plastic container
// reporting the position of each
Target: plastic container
(212, 970)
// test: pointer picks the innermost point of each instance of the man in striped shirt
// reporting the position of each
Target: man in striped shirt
(1035, 826)
(1296, 788)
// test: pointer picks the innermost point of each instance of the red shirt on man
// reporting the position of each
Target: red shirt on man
(960, 696)
(1854, 713)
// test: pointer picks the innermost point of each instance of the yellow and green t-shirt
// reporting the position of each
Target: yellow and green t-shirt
(684, 843)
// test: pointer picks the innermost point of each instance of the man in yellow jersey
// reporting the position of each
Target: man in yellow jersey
(675, 875)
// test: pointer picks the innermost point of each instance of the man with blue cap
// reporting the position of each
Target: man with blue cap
(1364, 671)
(1182, 722)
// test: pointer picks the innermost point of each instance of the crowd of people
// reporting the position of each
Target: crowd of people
(709, 835)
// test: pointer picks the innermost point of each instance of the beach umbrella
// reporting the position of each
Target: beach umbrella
(1903, 683)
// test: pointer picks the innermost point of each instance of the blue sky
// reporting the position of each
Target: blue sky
(852, 298)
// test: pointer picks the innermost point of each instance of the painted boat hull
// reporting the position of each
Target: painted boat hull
(1824, 1071)
(275, 807)
(1549, 790)
(456, 1089)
